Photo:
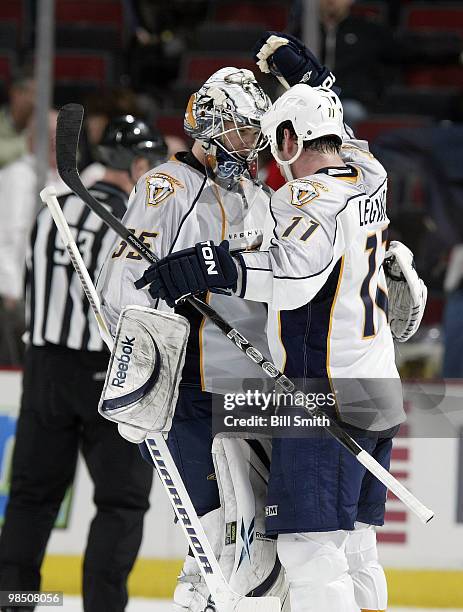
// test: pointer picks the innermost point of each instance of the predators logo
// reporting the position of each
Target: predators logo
(159, 187)
(303, 192)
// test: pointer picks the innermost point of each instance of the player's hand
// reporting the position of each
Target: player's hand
(204, 267)
(288, 59)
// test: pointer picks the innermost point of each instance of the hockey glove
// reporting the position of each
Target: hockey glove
(204, 267)
(289, 60)
(407, 292)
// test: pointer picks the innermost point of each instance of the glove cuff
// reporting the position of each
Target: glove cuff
(241, 280)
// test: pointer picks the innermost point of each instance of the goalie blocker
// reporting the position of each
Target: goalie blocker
(143, 377)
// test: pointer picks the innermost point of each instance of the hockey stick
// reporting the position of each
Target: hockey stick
(224, 598)
(67, 139)
(48, 196)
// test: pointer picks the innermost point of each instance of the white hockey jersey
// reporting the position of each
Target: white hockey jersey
(173, 207)
(320, 271)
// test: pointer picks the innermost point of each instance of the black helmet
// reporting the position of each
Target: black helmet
(128, 137)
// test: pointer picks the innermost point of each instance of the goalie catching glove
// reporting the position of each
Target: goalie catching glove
(406, 291)
(204, 267)
(289, 60)
(144, 372)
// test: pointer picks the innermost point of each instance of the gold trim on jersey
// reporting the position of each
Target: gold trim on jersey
(201, 348)
(222, 208)
(383, 289)
(281, 342)
(353, 180)
(328, 339)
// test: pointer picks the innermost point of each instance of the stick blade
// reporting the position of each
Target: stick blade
(258, 604)
(68, 128)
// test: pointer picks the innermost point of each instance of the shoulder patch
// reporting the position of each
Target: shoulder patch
(305, 191)
(159, 187)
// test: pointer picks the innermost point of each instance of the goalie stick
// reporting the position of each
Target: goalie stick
(224, 598)
(67, 139)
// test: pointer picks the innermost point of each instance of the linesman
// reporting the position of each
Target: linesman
(65, 367)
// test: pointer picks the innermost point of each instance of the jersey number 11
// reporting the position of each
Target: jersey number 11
(380, 299)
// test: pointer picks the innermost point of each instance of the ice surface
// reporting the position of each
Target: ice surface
(74, 604)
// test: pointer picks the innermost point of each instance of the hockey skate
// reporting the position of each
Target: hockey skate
(192, 594)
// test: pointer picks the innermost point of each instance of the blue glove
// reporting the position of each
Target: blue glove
(204, 267)
(285, 56)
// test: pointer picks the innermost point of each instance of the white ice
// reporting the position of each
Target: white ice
(74, 604)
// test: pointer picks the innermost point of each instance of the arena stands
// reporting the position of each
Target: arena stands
(421, 88)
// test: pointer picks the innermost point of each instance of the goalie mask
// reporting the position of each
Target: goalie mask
(225, 116)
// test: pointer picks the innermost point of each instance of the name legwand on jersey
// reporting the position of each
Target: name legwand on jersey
(373, 210)
(123, 362)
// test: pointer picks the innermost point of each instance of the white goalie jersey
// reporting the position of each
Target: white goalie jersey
(320, 271)
(173, 207)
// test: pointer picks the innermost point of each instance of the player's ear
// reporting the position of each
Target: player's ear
(289, 142)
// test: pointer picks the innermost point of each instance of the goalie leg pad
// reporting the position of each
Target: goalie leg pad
(144, 372)
(236, 530)
(317, 571)
(249, 558)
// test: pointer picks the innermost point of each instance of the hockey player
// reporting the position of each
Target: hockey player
(321, 272)
(63, 380)
(208, 193)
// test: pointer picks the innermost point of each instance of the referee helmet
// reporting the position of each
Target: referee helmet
(126, 138)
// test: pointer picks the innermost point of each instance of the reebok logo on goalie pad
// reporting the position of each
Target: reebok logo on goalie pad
(271, 510)
(123, 362)
(263, 537)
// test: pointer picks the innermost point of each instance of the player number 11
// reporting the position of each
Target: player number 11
(380, 296)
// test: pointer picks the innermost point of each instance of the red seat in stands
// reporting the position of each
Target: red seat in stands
(197, 68)
(82, 67)
(171, 125)
(272, 16)
(435, 76)
(434, 17)
(369, 129)
(12, 14)
(371, 10)
(12, 10)
(7, 65)
(90, 12)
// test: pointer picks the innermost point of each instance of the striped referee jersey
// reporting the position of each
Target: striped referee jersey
(57, 310)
